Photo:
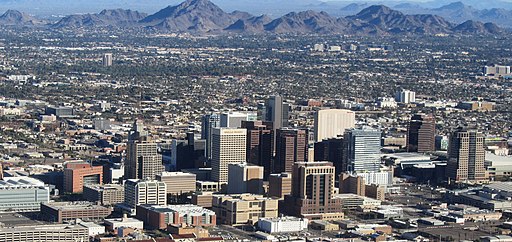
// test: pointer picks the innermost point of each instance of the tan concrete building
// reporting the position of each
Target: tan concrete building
(280, 185)
(203, 199)
(352, 184)
(376, 191)
(245, 178)
(178, 182)
(243, 208)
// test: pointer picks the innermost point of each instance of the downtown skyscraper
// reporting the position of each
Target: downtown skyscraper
(421, 133)
(229, 145)
(142, 158)
(361, 151)
(466, 156)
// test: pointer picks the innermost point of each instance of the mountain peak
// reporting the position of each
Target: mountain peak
(453, 6)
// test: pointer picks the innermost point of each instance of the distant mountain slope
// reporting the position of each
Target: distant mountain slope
(305, 22)
(459, 12)
(17, 18)
(116, 18)
(388, 20)
(191, 15)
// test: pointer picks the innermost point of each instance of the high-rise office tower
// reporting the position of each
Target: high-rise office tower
(421, 133)
(405, 96)
(466, 156)
(291, 147)
(234, 119)
(331, 123)
(245, 178)
(330, 150)
(276, 112)
(313, 192)
(208, 123)
(260, 144)
(107, 59)
(361, 151)
(229, 146)
(142, 159)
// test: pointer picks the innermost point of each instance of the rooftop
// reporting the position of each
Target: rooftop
(49, 227)
(20, 182)
(181, 209)
(80, 205)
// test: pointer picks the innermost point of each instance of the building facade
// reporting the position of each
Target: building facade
(142, 160)
(45, 233)
(280, 185)
(313, 192)
(283, 224)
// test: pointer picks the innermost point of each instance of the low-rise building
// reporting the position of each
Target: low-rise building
(60, 212)
(108, 194)
(243, 208)
(53, 232)
(283, 224)
(112, 224)
(159, 217)
(178, 182)
(22, 194)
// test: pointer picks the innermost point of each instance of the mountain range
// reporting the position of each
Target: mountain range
(204, 17)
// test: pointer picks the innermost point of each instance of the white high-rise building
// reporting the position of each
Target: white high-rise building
(107, 59)
(405, 96)
(330, 123)
(138, 192)
(228, 146)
